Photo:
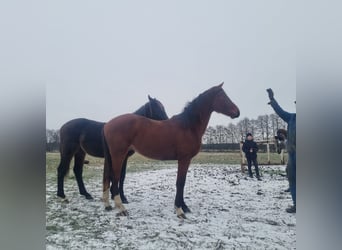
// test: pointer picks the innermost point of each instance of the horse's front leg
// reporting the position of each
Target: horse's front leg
(122, 180)
(181, 207)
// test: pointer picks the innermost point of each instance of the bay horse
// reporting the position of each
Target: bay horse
(178, 138)
(81, 136)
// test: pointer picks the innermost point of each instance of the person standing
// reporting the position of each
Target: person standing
(290, 119)
(250, 148)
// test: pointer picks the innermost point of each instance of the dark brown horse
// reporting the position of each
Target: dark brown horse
(178, 138)
(81, 136)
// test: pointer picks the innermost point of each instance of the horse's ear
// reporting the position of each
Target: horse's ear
(220, 85)
(150, 98)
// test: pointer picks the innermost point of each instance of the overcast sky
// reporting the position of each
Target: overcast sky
(105, 57)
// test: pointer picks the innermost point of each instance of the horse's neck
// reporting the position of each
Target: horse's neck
(205, 117)
(141, 111)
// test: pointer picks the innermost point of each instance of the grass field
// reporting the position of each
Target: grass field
(138, 162)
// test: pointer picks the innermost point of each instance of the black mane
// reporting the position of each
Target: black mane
(153, 109)
(191, 114)
(142, 110)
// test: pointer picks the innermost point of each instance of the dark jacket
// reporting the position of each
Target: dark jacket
(250, 144)
(290, 119)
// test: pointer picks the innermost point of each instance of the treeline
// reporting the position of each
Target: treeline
(263, 128)
(52, 140)
(217, 138)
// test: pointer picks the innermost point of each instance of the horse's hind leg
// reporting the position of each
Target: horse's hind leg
(115, 174)
(78, 170)
(106, 184)
(122, 180)
(62, 170)
(121, 183)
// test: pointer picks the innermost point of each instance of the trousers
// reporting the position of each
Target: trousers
(292, 174)
(253, 160)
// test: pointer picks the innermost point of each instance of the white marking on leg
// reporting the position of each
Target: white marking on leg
(118, 203)
(105, 198)
(179, 211)
(63, 200)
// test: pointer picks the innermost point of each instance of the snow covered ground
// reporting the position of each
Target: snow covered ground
(229, 211)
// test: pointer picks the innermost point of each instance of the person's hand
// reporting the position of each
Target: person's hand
(270, 93)
(251, 150)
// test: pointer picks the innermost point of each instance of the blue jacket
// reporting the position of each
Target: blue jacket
(290, 119)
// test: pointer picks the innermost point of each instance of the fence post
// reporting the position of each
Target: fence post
(282, 160)
(268, 153)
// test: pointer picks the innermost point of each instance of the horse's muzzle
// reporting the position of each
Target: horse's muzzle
(236, 114)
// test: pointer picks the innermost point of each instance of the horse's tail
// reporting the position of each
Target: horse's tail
(107, 156)
(63, 167)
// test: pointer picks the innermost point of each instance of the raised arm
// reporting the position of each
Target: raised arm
(282, 113)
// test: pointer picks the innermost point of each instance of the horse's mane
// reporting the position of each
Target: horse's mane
(191, 114)
(142, 110)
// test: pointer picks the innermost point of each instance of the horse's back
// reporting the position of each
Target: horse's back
(130, 123)
(123, 124)
(163, 140)
(83, 133)
(75, 127)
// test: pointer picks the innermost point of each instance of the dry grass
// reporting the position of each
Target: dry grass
(138, 162)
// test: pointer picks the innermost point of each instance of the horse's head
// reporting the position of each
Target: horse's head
(281, 134)
(280, 140)
(222, 103)
(155, 109)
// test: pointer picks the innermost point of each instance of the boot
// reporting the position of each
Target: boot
(287, 190)
(250, 173)
(258, 177)
(291, 209)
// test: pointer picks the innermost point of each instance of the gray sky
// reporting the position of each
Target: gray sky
(105, 57)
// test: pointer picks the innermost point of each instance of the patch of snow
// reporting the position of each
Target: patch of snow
(228, 210)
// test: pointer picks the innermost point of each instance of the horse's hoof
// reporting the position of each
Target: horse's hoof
(180, 213)
(89, 197)
(181, 216)
(122, 213)
(61, 196)
(186, 209)
(63, 199)
(109, 208)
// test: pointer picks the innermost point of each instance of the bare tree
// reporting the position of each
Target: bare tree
(262, 128)
(261, 123)
(267, 126)
(233, 132)
(52, 140)
(220, 134)
(209, 136)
